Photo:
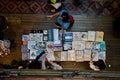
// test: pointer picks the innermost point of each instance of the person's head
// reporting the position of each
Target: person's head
(65, 17)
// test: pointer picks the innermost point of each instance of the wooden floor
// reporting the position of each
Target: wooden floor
(23, 23)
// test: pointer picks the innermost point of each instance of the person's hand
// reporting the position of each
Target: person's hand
(49, 17)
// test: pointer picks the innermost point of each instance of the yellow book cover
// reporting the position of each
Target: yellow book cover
(99, 36)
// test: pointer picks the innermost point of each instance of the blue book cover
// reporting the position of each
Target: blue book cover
(50, 34)
(68, 37)
(103, 46)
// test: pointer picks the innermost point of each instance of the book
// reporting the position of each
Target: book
(32, 54)
(50, 51)
(76, 36)
(79, 56)
(87, 55)
(78, 45)
(45, 32)
(55, 34)
(84, 36)
(71, 55)
(38, 37)
(88, 44)
(67, 46)
(58, 48)
(96, 46)
(102, 55)
(25, 52)
(95, 55)
(32, 37)
(99, 36)
(57, 56)
(91, 35)
(31, 44)
(64, 56)
(25, 37)
(103, 46)
(50, 34)
(40, 45)
(68, 37)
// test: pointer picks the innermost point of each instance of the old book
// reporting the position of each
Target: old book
(95, 55)
(50, 34)
(64, 56)
(78, 45)
(84, 36)
(40, 45)
(99, 36)
(103, 46)
(38, 37)
(71, 55)
(58, 48)
(91, 35)
(88, 44)
(33, 53)
(32, 37)
(76, 36)
(67, 46)
(25, 52)
(68, 37)
(31, 44)
(79, 56)
(57, 56)
(50, 51)
(55, 34)
(87, 55)
(96, 46)
(102, 55)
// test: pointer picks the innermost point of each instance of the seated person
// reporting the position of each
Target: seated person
(64, 20)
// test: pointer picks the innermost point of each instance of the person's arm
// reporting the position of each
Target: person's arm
(50, 16)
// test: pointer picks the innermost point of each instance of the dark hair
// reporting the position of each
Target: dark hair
(100, 63)
(65, 17)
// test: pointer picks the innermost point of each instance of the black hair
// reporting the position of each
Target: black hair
(100, 63)
(65, 17)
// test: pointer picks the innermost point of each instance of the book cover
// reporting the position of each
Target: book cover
(99, 36)
(57, 56)
(40, 45)
(84, 36)
(45, 32)
(95, 55)
(68, 36)
(58, 48)
(33, 53)
(45, 37)
(103, 46)
(25, 52)
(31, 44)
(67, 46)
(88, 44)
(78, 45)
(50, 34)
(71, 55)
(64, 56)
(76, 36)
(79, 56)
(38, 37)
(96, 46)
(50, 51)
(87, 55)
(25, 37)
(55, 34)
(32, 37)
(102, 55)
(91, 35)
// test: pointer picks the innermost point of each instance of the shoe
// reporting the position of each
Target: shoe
(56, 66)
